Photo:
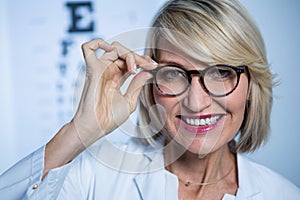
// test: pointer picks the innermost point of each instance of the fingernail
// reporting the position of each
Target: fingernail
(154, 63)
(135, 68)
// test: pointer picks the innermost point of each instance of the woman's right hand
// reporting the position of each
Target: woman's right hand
(103, 107)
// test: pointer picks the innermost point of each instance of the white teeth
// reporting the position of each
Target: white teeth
(192, 122)
(187, 120)
(208, 120)
(202, 122)
(213, 120)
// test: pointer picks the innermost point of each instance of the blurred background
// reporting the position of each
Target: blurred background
(41, 64)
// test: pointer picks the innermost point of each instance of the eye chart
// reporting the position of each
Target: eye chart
(43, 63)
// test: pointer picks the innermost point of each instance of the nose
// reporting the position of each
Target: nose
(197, 98)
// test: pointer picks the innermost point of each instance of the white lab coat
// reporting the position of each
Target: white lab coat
(128, 171)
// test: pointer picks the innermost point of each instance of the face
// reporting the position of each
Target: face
(197, 121)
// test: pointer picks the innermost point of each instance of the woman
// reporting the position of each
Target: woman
(204, 83)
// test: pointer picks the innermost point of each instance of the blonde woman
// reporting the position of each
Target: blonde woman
(203, 87)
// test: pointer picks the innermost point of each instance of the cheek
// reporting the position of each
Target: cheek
(158, 98)
(166, 102)
(236, 106)
(236, 102)
(167, 108)
(161, 105)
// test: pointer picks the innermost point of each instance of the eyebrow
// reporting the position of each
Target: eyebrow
(163, 62)
(166, 62)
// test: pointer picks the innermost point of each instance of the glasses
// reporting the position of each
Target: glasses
(217, 80)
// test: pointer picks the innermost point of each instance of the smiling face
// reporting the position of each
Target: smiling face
(197, 121)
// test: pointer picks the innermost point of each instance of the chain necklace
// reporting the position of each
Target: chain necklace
(188, 183)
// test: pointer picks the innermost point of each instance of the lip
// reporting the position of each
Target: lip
(198, 129)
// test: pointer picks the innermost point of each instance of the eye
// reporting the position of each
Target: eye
(171, 74)
(220, 73)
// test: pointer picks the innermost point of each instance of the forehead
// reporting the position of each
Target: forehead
(168, 56)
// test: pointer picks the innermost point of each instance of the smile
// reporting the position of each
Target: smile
(202, 121)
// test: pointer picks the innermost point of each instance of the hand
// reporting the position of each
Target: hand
(103, 107)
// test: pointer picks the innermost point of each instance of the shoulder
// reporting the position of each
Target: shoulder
(125, 155)
(265, 180)
(108, 150)
(106, 167)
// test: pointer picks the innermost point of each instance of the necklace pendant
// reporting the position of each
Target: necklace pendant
(188, 183)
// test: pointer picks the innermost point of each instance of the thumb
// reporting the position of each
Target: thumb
(135, 87)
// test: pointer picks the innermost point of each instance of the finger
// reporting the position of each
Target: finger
(97, 44)
(89, 48)
(145, 62)
(132, 59)
(135, 87)
(150, 65)
(110, 56)
(131, 63)
(127, 55)
(118, 73)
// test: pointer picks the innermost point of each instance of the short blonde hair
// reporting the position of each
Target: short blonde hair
(221, 31)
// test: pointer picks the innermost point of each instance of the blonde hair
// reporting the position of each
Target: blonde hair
(218, 31)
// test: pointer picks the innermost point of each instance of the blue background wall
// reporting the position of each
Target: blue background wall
(280, 26)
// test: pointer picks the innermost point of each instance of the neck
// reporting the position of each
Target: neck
(200, 170)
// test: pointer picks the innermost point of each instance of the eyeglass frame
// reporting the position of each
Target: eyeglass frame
(238, 69)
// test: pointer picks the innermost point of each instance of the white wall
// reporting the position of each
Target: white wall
(29, 75)
(7, 141)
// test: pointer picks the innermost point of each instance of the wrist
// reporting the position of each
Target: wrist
(62, 148)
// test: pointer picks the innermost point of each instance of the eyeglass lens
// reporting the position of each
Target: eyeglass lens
(217, 80)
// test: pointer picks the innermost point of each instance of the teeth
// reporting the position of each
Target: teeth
(192, 122)
(201, 122)
(208, 121)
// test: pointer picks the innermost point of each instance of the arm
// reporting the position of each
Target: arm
(102, 107)
(96, 115)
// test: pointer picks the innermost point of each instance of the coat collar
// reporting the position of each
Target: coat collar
(158, 183)
(248, 188)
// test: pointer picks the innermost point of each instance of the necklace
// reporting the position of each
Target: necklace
(188, 183)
